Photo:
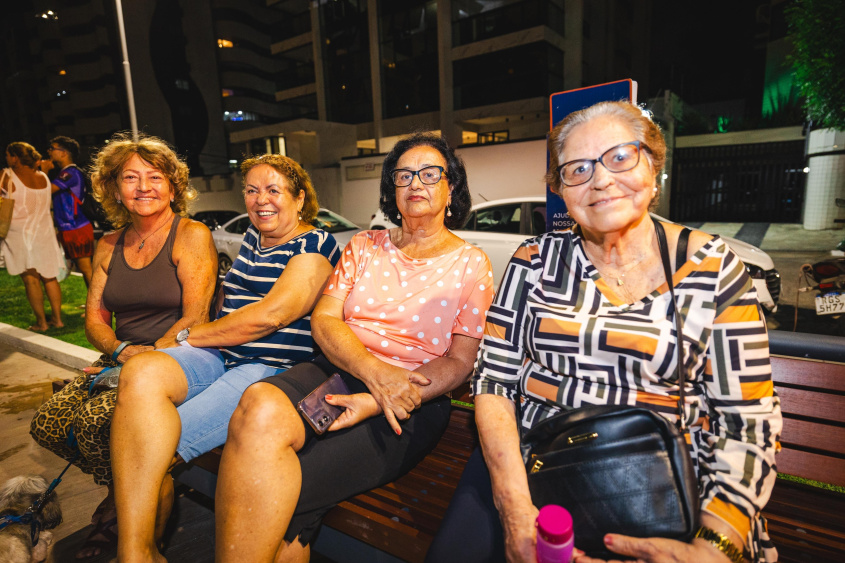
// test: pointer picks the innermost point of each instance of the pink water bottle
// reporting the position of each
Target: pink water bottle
(554, 535)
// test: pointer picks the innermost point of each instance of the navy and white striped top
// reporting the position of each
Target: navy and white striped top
(251, 278)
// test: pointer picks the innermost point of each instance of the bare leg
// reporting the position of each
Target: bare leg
(54, 296)
(260, 478)
(165, 506)
(144, 433)
(84, 267)
(35, 296)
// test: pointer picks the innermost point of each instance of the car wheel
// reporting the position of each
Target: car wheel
(224, 264)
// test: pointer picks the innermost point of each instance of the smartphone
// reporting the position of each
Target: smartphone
(314, 408)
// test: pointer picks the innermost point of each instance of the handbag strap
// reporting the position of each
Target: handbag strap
(679, 323)
(681, 247)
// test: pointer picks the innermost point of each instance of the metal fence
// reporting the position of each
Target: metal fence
(762, 182)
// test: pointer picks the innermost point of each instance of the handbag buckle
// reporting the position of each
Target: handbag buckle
(582, 438)
(537, 465)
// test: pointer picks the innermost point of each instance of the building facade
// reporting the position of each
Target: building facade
(479, 71)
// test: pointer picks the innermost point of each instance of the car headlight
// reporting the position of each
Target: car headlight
(756, 272)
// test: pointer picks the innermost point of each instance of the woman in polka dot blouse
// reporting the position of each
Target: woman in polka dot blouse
(400, 320)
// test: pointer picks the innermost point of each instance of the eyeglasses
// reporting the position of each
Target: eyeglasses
(429, 175)
(56, 149)
(620, 158)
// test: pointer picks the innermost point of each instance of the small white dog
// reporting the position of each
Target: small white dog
(16, 497)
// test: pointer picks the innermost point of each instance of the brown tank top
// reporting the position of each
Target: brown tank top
(145, 301)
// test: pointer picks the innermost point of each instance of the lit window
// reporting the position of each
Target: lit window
(225, 44)
(227, 92)
(62, 72)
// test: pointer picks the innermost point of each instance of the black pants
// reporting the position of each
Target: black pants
(339, 465)
(471, 531)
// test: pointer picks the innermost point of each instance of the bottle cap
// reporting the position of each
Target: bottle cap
(554, 523)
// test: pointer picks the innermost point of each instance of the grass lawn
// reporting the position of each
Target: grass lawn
(16, 311)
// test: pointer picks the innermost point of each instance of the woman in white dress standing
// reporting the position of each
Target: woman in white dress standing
(30, 249)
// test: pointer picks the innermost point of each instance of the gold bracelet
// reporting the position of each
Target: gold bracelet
(722, 543)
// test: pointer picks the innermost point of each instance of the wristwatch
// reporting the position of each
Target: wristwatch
(182, 336)
(721, 542)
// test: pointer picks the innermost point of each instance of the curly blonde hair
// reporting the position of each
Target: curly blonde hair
(646, 131)
(109, 163)
(298, 180)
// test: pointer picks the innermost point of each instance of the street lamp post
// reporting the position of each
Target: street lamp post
(127, 73)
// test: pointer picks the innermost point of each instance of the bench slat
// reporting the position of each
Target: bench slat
(382, 533)
(810, 373)
(814, 435)
(811, 466)
(812, 404)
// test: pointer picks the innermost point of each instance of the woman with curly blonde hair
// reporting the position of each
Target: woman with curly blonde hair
(154, 276)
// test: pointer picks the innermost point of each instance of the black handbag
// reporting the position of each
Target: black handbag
(618, 469)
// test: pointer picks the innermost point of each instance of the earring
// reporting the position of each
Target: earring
(300, 216)
(398, 215)
(654, 192)
(448, 211)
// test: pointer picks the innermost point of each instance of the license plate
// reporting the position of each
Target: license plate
(830, 304)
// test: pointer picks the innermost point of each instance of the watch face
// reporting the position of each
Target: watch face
(183, 335)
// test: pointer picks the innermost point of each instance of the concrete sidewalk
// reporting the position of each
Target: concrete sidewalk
(777, 237)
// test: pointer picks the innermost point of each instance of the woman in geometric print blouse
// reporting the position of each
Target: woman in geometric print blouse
(178, 399)
(580, 319)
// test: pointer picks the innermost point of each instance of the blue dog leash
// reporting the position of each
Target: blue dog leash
(29, 517)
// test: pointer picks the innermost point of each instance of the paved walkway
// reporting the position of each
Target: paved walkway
(788, 237)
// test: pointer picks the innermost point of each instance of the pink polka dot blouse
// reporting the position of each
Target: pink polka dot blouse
(405, 310)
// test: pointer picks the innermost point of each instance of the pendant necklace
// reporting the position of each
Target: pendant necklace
(620, 278)
(144, 239)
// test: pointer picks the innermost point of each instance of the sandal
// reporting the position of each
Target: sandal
(101, 538)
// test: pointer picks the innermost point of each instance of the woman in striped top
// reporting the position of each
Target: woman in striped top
(178, 400)
(580, 319)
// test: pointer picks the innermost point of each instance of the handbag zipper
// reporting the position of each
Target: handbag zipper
(569, 441)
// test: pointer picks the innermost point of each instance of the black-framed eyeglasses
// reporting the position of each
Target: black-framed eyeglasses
(429, 175)
(620, 158)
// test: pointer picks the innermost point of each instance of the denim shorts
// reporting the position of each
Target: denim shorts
(213, 394)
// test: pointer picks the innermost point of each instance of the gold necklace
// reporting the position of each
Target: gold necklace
(144, 240)
(620, 278)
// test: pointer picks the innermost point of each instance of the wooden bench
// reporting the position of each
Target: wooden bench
(402, 517)
(806, 523)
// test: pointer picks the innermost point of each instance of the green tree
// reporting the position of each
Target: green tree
(818, 33)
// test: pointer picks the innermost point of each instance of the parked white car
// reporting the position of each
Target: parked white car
(498, 227)
(229, 237)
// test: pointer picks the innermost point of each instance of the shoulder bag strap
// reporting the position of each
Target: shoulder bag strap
(681, 248)
(679, 323)
(4, 183)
